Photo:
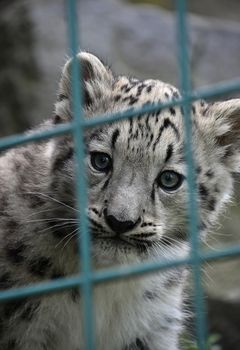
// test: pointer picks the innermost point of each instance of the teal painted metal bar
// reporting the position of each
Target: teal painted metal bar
(81, 184)
(183, 61)
(203, 93)
(112, 274)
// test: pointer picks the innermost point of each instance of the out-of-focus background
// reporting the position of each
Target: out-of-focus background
(137, 37)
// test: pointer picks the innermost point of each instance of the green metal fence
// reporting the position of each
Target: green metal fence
(88, 278)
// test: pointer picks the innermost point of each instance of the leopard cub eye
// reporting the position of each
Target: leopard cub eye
(100, 161)
(169, 180)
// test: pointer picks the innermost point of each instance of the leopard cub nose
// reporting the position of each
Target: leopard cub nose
(119, 226)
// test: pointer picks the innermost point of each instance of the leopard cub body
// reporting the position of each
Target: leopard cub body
(137, 199)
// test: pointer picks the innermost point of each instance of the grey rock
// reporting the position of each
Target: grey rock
(135, 40)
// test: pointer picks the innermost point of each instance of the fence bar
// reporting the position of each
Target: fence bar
(203, 93)
(81, 183)
(112, 274)
(183, 61)
(17, 140)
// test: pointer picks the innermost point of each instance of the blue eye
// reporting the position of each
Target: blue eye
(169, 180)
(101, 161)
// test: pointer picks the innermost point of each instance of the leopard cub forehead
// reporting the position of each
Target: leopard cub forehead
(149, 135)
(132, 92)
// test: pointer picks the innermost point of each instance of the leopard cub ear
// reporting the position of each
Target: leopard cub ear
(97, 80)
(221, 122)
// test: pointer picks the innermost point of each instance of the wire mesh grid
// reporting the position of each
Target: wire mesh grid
(87, 278)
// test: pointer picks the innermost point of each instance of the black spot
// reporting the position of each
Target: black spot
(128, 89)
(62, 97)
(75, 294)
(140, 344)
(166, 124)
(135, 136)
(105, 185)
(87, 98)
(28, 156)
(140, 89)
(117, 98)
(166, 95)
(57, 119)
(211, 204)
(150, 140)
(96, 211)
(169, 152)
(228, 153)
(149, 88)
(96, 135)
(199, 170)
(133, 100)
(174, 279)
(150, 295)
(176, 94)
(30, 310)
(15, 253)
(209, 173)
(193, 109)
(145, 224)
(147, 103)
(172, 111)
(39, 266)
(115, 136)
(153, 194)
(203, 191)
(202, 226)
(130, 126)
(124, 87)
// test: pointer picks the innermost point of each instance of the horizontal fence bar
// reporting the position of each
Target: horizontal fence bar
(112, 274)
(18, 140)
(214, 90)
(208, 92)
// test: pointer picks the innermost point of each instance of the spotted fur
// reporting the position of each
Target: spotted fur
(132, 217)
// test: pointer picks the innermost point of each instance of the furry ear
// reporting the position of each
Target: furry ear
(96, 81)
(221, 121)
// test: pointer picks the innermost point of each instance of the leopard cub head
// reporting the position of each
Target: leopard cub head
(136, 168)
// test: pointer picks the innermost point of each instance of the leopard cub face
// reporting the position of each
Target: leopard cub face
(136, 167)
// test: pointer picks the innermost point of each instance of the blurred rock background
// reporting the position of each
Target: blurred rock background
(136, 37)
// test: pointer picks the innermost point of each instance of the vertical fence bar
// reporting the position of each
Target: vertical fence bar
(183, 61)
(81, 183)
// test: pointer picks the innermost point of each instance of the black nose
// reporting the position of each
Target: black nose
(119, 226)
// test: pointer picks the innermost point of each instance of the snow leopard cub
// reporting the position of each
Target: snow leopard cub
(136, 208)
